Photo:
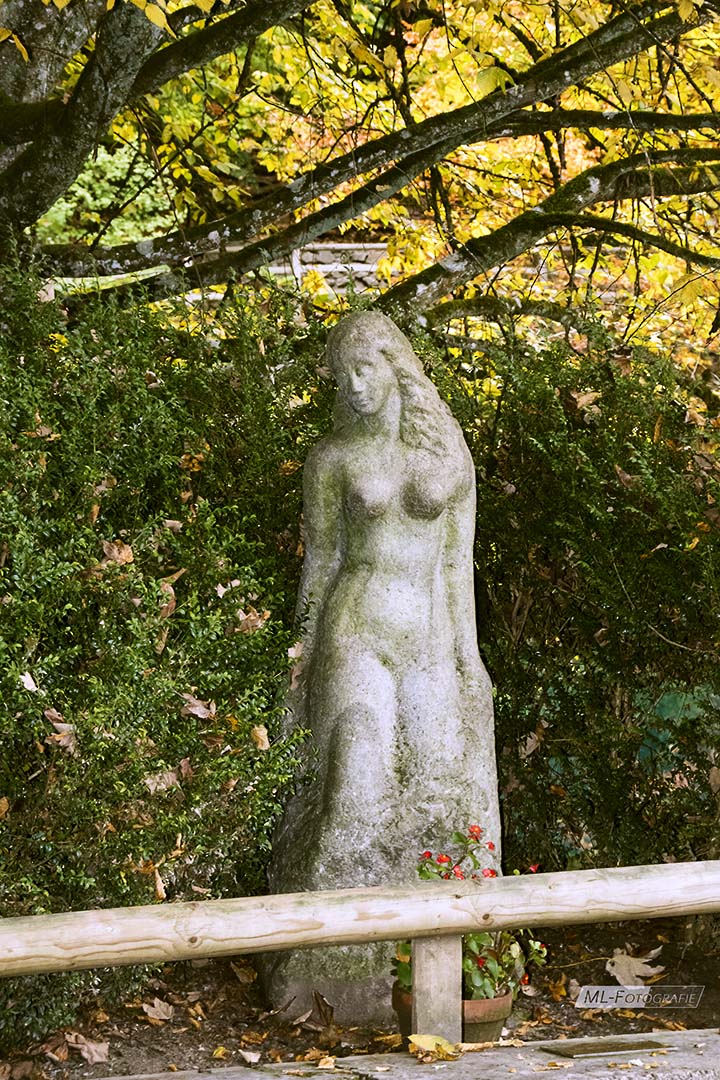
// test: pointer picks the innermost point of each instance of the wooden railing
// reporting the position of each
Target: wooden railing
(433, 915)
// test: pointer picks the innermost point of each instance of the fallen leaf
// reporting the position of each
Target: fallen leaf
(557, 988)
(168, 593)
(714, 778)
(161, 781)
(632, 970)
(250, 1056)
(584, 399)
(172, 525)
(393, 1041)
(252, 620)
(326, 1062)
(159, 1010)
(64, 737)
(159, 886)
(195, 707)
(116, 551)
(20, 1069)
(222, 1052)
(244, 973)
(93, 1052)
(4, 807)
(429, 1048)
(186, 770)
(29, 683)
(259, 736)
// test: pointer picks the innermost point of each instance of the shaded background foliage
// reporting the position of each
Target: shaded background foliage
(127, 429)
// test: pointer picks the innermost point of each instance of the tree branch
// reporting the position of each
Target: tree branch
(220, 38)
(38, 176)
(498, 115)
(635, 177)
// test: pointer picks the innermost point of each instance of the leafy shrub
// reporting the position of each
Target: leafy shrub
(150, 551)
(150, 518)
(597, 544)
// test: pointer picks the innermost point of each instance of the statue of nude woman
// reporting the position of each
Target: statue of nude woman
(393, 689)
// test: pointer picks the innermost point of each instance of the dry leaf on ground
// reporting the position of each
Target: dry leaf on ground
(430, 1048)
(93, 1052)
(159, 1010)
(633, 970)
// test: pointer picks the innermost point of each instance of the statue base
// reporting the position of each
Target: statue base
(355, 980)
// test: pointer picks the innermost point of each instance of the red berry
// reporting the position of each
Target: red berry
(525, 979)
(480, 961)
(443, 859)
(426, 855)
(491, 846)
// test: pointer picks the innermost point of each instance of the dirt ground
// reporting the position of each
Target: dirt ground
(205, 1014)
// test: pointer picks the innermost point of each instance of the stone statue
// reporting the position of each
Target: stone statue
(392, 687)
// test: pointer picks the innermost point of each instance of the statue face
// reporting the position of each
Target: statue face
(366, 380)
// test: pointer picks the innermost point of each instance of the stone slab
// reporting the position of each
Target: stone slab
(686, 1055)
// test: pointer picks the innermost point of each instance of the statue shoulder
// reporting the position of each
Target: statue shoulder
(323, 463)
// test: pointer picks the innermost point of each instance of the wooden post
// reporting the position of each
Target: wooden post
(437, 987)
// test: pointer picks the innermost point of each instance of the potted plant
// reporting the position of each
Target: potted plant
(495, 964)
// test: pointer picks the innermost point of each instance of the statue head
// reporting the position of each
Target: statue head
(425, 421)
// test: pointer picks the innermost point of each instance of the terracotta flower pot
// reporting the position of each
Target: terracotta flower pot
(483, 1018)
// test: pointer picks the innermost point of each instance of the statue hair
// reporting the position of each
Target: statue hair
(426, 422)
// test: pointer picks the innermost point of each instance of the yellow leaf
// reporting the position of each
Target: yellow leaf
(432, 1048)
(5, 33)
(423, 27)
(221, 1052)
(205, 5)
(686, 10)
(60, 4)
(624, 92)
(157, 16)
(362, 53)
(492, 78)
(110, 5)
(20, 47)
(390, 57)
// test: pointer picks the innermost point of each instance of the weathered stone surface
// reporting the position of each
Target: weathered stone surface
(392, 686)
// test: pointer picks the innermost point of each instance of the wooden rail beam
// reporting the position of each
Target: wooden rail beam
(206, 928)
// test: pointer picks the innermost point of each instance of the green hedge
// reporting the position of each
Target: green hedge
(127, 431)
(124, 435)
(598, 585)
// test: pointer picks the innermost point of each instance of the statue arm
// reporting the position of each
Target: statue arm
(323, 526)
(459, 578)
